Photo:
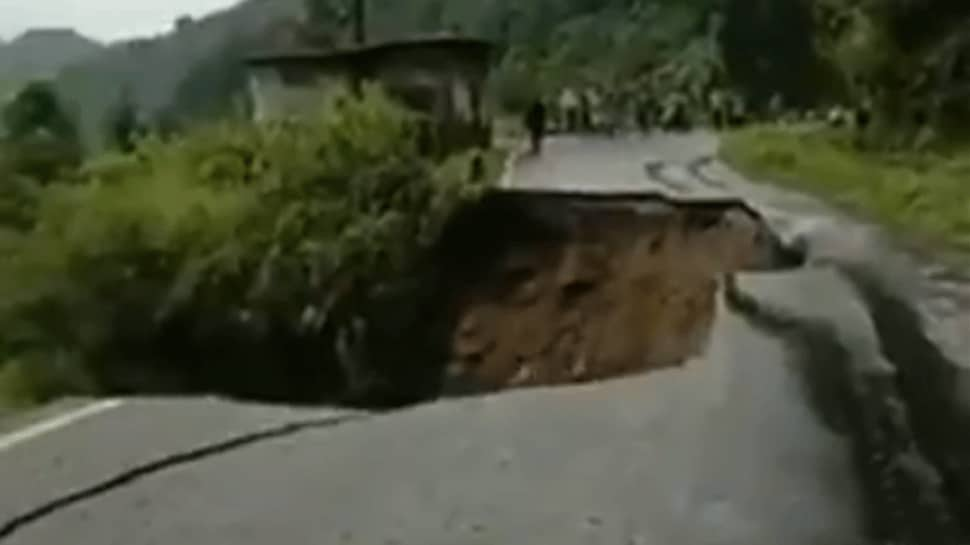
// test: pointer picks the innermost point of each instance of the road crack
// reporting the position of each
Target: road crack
(16, 524)
(904, 500)
(655, 173)
(697, 169)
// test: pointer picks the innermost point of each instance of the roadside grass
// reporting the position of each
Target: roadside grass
(924, 196)
(29, 381)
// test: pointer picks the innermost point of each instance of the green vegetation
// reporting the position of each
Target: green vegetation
(903, 66)
(543, 45)
(190, 258)
(906, 61)
(238, 258)
(38, 143)
(920, 193)
(124, 128)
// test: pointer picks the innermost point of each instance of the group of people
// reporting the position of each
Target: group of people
(593, 110)
(573, 112)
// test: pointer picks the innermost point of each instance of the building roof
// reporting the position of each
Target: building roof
(465, 45)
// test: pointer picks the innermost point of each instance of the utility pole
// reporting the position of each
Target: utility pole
(360, 21)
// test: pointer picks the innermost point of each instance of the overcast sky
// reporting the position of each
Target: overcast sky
(101, 19)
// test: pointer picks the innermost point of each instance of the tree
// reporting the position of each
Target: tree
(769, 47)
(124, 127)
(326, 19)
(41, 139)
(325, 12)
(432, 17)
(35, 109)
(905, 58)
(207, 89)
(183, 22)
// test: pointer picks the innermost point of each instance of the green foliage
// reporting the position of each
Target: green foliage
(213, 86)
(29, 381)
(919, 193)
(610, 44)
(196, 263)
(905, 58)
(514, 84)
(769, 48)
(34, 109)
(551, 43)
(39, 144)
(124, 127)
(332, 14)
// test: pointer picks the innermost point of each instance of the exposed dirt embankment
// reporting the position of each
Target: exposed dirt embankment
(546, 289)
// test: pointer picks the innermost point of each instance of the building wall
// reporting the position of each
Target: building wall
(457, 84)
(435, 81)
(273, 98)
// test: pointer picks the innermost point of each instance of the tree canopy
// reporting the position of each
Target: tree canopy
(40, 138)
(37, 108)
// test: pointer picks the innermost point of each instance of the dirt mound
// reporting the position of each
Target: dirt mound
(556, 289)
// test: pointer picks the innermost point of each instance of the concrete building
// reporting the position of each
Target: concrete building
(441, 76)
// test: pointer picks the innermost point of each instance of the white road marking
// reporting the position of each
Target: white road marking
(60, 421)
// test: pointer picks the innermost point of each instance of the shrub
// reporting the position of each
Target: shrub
(232, 259)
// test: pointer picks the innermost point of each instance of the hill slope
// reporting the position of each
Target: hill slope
(41, 53)
(573, 39)
(152, 69)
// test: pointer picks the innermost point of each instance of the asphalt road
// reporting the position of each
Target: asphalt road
(732, 449)
(723, 451)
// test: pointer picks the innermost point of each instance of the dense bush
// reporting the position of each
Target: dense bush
(239, 258)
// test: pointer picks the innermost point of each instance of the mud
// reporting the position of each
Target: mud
(551, 289)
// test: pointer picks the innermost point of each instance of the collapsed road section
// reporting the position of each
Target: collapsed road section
(559, 288)
(553, 288)
(766, 400)
(533, 288)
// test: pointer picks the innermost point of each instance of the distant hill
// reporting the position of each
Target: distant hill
(42, 53)
(151, 70)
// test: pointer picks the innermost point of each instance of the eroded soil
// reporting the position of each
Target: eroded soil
(567, 289)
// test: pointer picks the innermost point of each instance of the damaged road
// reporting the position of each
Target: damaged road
(812, 405)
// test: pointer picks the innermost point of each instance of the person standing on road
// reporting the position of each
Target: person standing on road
(717, 103)
(595, 102)
(570, 108)
(535, 123)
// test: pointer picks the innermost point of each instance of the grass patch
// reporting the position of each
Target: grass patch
(926, 196)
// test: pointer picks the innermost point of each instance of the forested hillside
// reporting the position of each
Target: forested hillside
(810, 52)
(152, 70)
(196, 70)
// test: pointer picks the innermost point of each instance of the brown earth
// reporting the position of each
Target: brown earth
(577, 289)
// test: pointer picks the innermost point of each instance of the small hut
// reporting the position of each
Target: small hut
(441, 76)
